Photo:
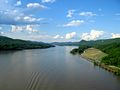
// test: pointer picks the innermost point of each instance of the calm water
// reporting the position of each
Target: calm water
(52, 69)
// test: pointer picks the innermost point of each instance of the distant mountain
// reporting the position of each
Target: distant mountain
(66, 43)
(90, 43)
(7, 43)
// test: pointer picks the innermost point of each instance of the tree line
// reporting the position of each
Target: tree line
(17, 44)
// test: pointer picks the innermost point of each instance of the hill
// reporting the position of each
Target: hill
(106, 52)
(7, 43)
(94, 54)
(90, 43)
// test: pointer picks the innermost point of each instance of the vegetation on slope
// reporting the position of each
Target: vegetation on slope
(107, 53)
(94, 54)
(17, 44)
(80, 49)
(113, 51)
(88, 43)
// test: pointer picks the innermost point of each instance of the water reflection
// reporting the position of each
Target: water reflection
(52, 69)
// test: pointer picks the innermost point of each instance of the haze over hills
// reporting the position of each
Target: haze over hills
(90, 43)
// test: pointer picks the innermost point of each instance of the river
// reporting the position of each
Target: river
(52, 69)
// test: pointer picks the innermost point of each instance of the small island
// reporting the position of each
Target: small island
(105, 54)
(7, 43)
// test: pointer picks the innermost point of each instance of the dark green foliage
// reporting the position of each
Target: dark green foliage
(109, 46)
(16, 44)
(88, 43)
(80, 49)
(113, 51)
(74, 51)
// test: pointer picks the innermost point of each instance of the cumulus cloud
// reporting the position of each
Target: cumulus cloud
(27, 28)
(16, 28)
(70, 35)
(58, 37)
(74, 23)
(93, 35)
(70, 13)
(48, 1)
(115, 35)
(67, 36)
(11, 15)
(87, 14)
(16, 17)
(31, 19)
(36, 5)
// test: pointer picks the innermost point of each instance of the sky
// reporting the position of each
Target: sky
(60, 20)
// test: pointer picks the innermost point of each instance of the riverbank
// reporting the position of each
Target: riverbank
(95, 56)
(7, 43)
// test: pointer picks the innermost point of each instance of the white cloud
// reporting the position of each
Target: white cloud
(58, 37)
(19, 3)
(28, 19)
(36, 5)
(115, 35)
(70, 35)
(67, 36)
(93, 35)
(16, 28)
(27, 28)
(48, 1)
(12, 15)
(87, 14)
(31, 19)
(16, 17)
(70, 13)
(74, 23)
(30, 29)
(1, 33)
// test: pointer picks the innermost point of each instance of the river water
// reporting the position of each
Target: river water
(52, 69)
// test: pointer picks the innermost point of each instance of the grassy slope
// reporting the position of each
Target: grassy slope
(107, 54)
(93, 54)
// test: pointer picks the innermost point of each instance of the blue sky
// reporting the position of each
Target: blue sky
(60, 20)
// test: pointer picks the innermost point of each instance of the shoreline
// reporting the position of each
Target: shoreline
(26, 48)
(115, 70)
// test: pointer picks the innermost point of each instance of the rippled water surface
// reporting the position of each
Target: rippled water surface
(52, 69)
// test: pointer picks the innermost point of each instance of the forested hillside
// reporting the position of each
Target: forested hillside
(110, 46)
(88, 43)
(113, 51)
(17, 44)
